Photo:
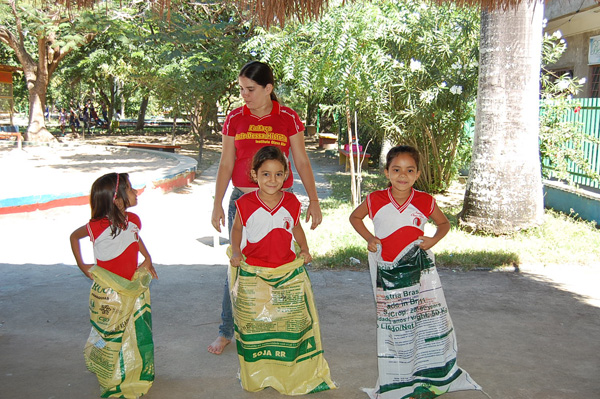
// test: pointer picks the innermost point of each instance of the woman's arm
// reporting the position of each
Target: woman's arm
(223, 177)
(443, 227)
(308, 178)
(356, 220)
(76, 248)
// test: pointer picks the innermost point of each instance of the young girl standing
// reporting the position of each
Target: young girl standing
(416, 344)
(399, 212)
(120, 349)
(276, 322)
(268, 218)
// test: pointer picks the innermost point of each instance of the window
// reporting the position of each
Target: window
(557, 73)
(595, 81)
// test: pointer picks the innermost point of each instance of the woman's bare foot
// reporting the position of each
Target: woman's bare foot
(218, 345)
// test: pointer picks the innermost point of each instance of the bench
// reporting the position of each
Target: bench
(8, 132)
(345, 158)
(149, 146)
(327, 141)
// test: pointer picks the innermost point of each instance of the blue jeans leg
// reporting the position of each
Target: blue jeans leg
(226, 327)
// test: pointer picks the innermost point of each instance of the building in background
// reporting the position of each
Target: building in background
(579, 23)
(6, 94)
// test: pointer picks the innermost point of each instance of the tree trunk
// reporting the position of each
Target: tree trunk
(387, 143)
(36, 130)
(173, 129)
(122, 101)
(37, 76)
(353, 192)
(113, 98)
(142, 114)
(197, 125)
(504, 189)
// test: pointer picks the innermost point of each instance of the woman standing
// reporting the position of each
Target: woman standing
(261, 122)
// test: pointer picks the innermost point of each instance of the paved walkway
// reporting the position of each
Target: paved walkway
(525, 335)
(55, 174)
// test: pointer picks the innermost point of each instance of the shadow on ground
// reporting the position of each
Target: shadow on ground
(519, 337)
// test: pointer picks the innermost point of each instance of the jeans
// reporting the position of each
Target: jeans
(226, 327)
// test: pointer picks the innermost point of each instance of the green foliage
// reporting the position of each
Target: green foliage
(408, 68)
(198, 58)
(561, 140)
(185, 64)
(65, 32)
(334, 241)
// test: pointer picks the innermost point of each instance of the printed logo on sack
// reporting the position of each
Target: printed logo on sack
(105, 309)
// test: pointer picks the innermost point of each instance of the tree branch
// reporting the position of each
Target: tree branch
(7, 37)
(17, 44)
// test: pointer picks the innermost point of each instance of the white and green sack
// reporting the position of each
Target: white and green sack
(277, 329)
(120, 349)
(416, 342)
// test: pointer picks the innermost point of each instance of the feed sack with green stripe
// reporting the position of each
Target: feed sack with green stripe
(120, 349)
(416, 342)
(277, 329)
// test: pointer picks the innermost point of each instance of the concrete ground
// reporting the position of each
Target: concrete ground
(527, 334)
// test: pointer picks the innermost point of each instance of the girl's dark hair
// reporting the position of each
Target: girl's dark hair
(261, 73)
(102, 200)
(269, 153)
(401, 149)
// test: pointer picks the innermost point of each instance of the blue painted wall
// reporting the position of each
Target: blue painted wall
(571, 201)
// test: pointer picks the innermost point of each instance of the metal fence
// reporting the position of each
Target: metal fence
(588, 117)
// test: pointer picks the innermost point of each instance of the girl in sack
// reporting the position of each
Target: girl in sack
(120, 349)
(276, 322)
(416, 343)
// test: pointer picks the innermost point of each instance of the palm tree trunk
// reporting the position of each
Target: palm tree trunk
(504, 189)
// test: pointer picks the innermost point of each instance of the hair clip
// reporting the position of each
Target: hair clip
(116, 189)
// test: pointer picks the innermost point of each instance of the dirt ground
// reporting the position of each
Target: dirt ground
(527, 334)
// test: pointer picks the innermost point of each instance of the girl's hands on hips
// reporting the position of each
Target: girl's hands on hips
(236, 259)
(372, 244)
(85, 268)
(218, 218)
(427, 243)
(147, 263)
(314, 211)
(306, 255)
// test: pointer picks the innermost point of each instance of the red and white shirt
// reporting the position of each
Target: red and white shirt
(252, 133)
(267, 237)
(118, 254)
(397, 225)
